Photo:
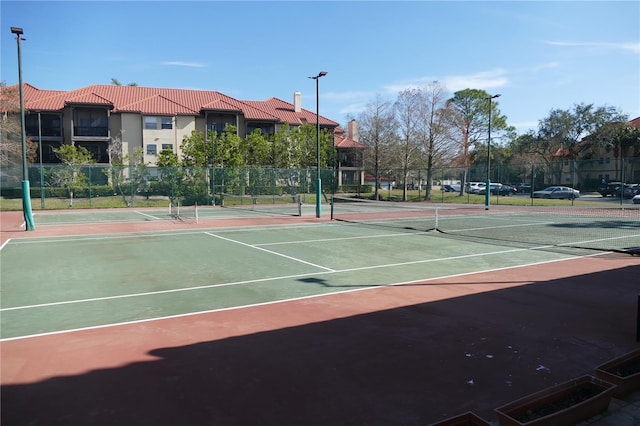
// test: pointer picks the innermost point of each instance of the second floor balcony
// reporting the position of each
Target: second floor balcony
(92, 131)
(44, 131)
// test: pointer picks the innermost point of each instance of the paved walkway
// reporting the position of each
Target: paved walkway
(624, 412)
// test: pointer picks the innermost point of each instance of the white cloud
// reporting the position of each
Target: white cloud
(630, 47)
(523, 126)
(184, 64)
(546, 66)
(482, 80)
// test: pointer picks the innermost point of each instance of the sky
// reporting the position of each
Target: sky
(539, 56)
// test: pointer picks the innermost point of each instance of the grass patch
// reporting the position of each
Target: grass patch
(13, 204)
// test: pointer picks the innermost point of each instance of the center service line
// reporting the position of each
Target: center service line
(271, 252)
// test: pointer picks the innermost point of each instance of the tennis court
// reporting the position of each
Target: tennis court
(245, 316)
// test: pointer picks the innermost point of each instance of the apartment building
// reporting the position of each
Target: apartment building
(158, 118)
(603, 166)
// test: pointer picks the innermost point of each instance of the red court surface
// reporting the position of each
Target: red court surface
(401, 355)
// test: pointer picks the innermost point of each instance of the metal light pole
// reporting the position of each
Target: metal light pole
(41, 169)
(319, 180)
(26, 196)
(487, 188)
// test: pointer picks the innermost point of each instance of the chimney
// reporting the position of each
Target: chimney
(297, 102)
(353, 130)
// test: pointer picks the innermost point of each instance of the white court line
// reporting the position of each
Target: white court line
(359, 237)
(327, 271)
(293, 299)
(270, 252)
(148, 215)
(153, 293)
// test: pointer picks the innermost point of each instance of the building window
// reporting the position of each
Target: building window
(47, 125)
(168, 146)
(265, 128)
(151, 122)
(218, 122)
(154, 123)
(90, 122)
(152, 149)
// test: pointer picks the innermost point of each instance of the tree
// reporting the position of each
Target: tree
(620, 138)
(471, 116)
(377, 131)
(285, 153)
(11, 129)
(228, 148)
(565, 129)
(70, 175)
(116, 82)
(195, 152)
(436, 129)
(129, 175)
(409, 109)
(257, 149)
(171, 174)
(560, 135)
(196, 156)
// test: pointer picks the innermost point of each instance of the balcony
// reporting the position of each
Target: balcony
(45, 131)
(91, 131)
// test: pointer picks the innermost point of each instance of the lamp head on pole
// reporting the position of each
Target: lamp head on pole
(17, 31)
(320, 74)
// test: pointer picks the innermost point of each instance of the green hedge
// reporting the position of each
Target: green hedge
(57, 192)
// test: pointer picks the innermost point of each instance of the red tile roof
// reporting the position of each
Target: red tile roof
(286, 113)
(157, 105)
(161, 101)
(344, 142)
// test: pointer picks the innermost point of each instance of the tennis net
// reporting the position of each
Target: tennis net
(290, 205)
(183, 213)
(595, 228)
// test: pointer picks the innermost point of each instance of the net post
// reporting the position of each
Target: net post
(332, 203)
(299, 205)
(436, 226)
(196, 208)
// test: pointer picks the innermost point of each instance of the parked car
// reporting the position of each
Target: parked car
(450, 188)
(636, 199)
(507, 190)
(627, 190)
(559, 192)
(523, 188)
(475, 187)
(498, 189)
(609, 188)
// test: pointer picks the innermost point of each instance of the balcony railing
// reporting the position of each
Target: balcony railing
(54, 131)
(91, 131)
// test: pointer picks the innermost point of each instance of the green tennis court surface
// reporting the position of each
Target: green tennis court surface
(67, 283)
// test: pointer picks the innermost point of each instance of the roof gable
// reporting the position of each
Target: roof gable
(285, 112)
(157, 105)
(344, 142)
(163, 101)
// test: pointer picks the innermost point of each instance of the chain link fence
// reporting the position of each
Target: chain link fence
(206, 186)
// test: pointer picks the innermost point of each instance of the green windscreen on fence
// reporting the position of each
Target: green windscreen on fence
(598, 228)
